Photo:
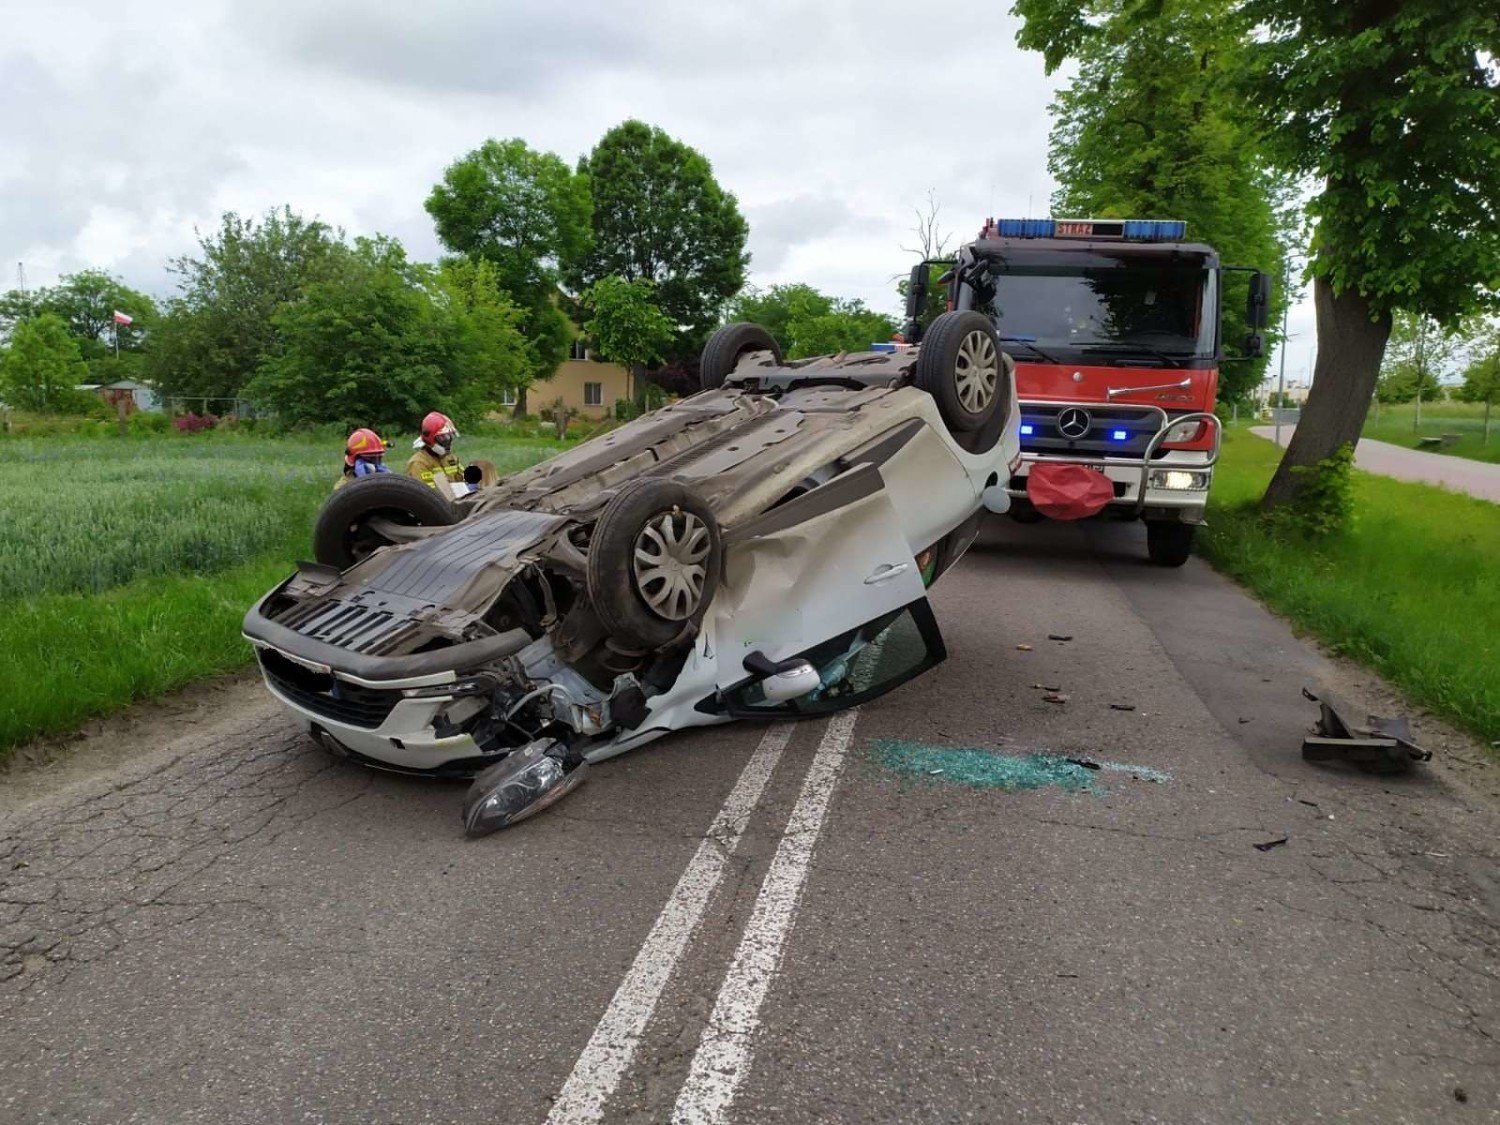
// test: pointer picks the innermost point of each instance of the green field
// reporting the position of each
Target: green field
(128, 564)
(1409, 589)
(1395, 425)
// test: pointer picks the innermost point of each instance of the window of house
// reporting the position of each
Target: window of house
(579, 350)
(508, 396)
(593, 394)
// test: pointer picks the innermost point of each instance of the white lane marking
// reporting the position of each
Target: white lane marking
(598, 1071)
(723, 1055)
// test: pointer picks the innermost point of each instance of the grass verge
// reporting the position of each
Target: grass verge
(1409, 589)
(1396, 424)
(128, 566)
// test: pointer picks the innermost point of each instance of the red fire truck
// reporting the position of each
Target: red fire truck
(1116, 331)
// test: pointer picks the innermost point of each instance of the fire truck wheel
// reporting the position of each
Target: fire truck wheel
(1169, 543)
(960, 366)
(725, 347)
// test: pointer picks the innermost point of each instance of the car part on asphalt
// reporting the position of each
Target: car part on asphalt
(1379, 745)
(761, 549)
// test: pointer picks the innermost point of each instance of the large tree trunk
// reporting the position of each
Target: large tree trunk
(1350, 346)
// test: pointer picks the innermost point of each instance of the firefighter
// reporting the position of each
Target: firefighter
(364, 454)
(433, 463)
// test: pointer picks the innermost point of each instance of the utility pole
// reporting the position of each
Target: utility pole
(1281, 379)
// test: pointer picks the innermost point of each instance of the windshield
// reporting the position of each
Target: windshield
(1163, 309)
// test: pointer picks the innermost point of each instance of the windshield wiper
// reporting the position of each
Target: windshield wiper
(1030, 342)
(1156, 353)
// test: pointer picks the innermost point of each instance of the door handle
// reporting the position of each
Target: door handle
(886, 572)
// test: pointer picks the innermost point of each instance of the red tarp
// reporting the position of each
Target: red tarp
(1068, 492)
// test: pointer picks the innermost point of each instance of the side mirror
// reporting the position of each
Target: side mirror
(916, 291)
(1258, 303)
(1254, 345)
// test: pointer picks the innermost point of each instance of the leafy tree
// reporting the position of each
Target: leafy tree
(384, 340)
(1482, 383)
(628, 328)
(497, 357)
(1417, 356)
(524, 212)
(1150, 127)
(660, 216)
(1394, 111)
(806, 322)
(43, 367)
(222, 327)
(86, 302)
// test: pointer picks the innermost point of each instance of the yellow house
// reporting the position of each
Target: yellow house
(590, 387)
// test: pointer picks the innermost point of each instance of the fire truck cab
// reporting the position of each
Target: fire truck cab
(1115, 327)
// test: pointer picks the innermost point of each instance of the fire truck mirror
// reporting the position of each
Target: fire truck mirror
(1258, 304)
(916, 290)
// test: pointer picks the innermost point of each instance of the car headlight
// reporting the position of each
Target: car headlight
(1179, 479)
(1184, 431)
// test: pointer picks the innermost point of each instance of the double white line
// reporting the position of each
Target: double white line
(723, 1054)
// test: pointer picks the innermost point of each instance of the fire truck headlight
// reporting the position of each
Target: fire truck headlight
(1178, 479)
(1184, 431)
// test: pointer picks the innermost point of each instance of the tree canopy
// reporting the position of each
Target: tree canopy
(85, 302)
(525, 212)
(806, 322)
(42, 367)
(660, 216)
(381, 340)
(216, 332)
(1150, 127)
(626, 324)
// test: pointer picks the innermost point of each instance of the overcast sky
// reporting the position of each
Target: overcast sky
(125, 126)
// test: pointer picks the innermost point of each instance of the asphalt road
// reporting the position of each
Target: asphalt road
(1462, 474)
(238, 929)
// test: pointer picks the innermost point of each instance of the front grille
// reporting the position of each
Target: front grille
(1137, 425)
(325, 695)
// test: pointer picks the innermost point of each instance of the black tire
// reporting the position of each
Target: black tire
(341, 535)
(722, 352)
(960, 366)
(631, 605)
(1169, 543)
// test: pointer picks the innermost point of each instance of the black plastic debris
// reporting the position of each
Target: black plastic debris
(1379, 745)
(1059, 636)
(1122, 706)
(1269, 844)
(1085, 763)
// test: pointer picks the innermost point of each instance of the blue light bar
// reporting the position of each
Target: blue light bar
(1120, 435)
(1028, 429)
(1133, 230)
(1025, 228)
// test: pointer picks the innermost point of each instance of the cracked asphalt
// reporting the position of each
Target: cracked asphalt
(236, 928)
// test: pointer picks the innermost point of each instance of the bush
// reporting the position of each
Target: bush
(194, 423)
(1324, 501)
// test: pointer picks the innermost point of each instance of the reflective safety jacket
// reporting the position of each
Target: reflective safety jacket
(436, 472)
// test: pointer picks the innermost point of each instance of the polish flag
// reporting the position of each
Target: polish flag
(121, 318)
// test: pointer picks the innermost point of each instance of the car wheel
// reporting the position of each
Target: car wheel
(725, 347)
(1169, 543)
(343, 534)
(653, 562)
(960, 366)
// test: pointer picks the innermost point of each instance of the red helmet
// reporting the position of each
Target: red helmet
(363, 443)
(437, 429)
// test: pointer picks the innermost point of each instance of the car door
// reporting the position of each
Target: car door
(828, 578)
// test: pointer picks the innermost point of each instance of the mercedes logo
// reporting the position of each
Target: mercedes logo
(1074, 422)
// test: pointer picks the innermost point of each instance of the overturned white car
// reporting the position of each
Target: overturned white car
(760, 549)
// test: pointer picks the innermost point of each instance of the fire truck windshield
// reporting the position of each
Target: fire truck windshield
(1140, 309)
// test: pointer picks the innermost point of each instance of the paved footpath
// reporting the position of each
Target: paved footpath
(1477, 478)
(753, 924)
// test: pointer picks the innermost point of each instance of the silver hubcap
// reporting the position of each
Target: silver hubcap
(976, 372)
(671, 563)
